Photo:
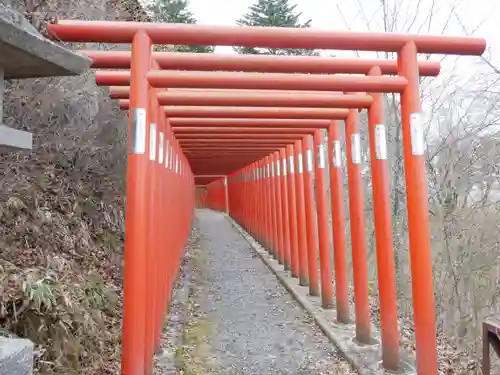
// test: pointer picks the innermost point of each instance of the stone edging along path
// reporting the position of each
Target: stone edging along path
(366, 359)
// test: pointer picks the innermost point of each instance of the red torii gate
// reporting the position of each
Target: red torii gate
(255, 63)
(135, 354)
(360, 274)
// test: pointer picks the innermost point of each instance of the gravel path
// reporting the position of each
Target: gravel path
(258, 328)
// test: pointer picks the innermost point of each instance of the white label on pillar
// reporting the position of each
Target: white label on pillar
(160, 148)
(380, 142)
(309, 160)
(292, 167)
(355, 149)
(417, 134)
(277, 168)
(284, 166)
(272, 169)
(176, 163)
(138, 134)
(167, 152)
(268, 168)
(152, 141)
(321, 156)
(336, 154)
(300, 165)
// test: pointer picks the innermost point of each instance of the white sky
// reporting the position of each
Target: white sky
(326, 15)
(480, 18)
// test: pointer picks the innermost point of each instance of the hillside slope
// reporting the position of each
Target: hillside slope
(62, 212)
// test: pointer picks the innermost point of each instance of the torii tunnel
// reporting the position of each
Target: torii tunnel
(255, 134)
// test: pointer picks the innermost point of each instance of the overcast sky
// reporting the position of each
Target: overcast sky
(326, 15)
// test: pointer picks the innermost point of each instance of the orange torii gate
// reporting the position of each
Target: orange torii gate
(291, 227)
(256, 180)
(293, 239)
(234, 98)
(256, 63)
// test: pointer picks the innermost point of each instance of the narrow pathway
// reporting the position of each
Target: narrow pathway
(255, 327)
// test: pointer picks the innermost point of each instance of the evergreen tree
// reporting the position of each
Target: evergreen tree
(275, 13)
(176, 11)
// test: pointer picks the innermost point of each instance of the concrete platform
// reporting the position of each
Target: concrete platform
(25, 53)
(12, 139)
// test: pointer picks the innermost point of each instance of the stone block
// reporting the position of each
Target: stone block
(16, 357)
